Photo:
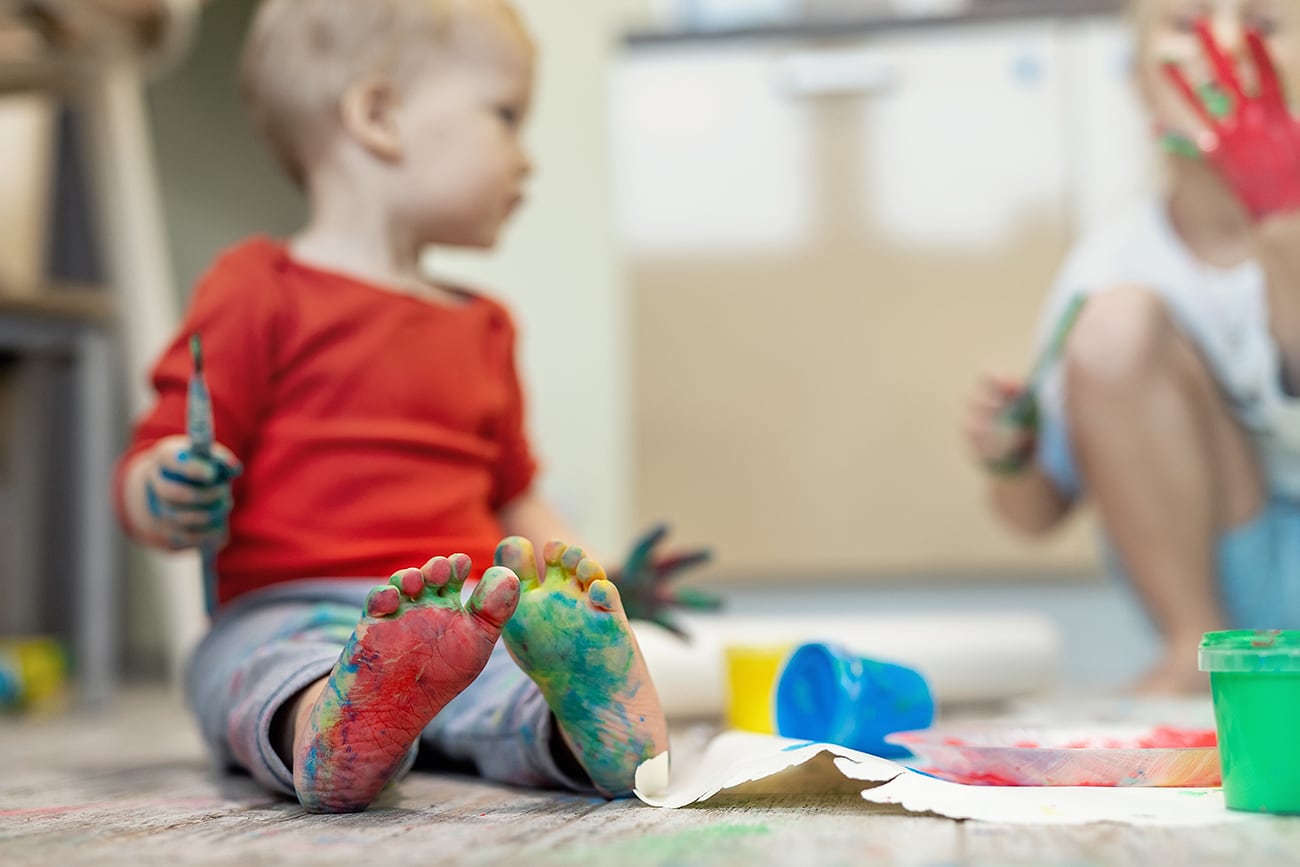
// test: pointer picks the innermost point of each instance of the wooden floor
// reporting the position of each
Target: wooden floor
(131, 786)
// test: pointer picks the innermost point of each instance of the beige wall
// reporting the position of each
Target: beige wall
(639, 11)
(559, 267)
(218, 184)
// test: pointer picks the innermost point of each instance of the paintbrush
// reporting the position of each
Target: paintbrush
(1023, 411)
(198, 427)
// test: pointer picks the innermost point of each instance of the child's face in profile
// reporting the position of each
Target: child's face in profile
(464, 164)
(1165, 33)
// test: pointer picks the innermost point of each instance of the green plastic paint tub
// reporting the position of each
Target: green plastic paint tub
(1255, 681)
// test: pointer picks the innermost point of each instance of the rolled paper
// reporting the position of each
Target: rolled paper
(966, 658)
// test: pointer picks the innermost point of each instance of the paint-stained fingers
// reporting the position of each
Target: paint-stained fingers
(983, 413)
(202, 521)
(696, 599)
(409, 581)
(461, 566)
(988, 424)
(643, 550)
(1020, 414)
(437, 572)
(993, 394)
(684, 560)
(572, 558)
(175, 459)
(990, 399)
(383, 601)
(603, 594)
(1191, 97)
(997, 442)
(553, 557)
(1012, 441)
(1005, 388)
(186, 468)
(446, 575)
(496, 596)
(587, 571)
(516, 554)
(231, 466)
(1270, 88)
(1224, 72)
(179, 494)
(983, 409)
(206, 518)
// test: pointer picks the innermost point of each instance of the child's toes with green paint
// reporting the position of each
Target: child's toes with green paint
(570, 634)
(415, 649)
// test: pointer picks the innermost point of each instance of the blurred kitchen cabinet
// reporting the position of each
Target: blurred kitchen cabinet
(829, 241)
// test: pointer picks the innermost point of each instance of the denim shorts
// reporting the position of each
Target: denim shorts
(1259, 561)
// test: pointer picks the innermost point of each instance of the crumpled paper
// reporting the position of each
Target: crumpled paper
(736, 758)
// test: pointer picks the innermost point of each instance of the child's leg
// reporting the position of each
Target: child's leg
(502, 728)
(571, 636)
(255, 659)
(1165, 462)
(414, 650)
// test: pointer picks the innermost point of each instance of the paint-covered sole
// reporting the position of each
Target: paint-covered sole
(572, 637)
(415, 649)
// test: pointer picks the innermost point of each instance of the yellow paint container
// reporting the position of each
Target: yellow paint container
(752, 672)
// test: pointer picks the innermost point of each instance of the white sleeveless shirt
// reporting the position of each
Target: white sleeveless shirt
(1223, 310)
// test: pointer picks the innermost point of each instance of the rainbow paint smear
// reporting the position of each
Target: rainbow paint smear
(1113, 756)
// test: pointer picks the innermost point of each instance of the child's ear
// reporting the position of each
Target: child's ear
(369, 114)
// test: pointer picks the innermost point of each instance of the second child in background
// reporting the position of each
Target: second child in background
(1173, 407)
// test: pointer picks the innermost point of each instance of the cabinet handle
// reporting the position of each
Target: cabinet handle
(814, 74)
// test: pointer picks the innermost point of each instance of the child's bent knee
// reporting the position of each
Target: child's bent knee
(1121, 335)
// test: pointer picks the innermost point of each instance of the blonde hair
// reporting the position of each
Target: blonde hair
(301, 56)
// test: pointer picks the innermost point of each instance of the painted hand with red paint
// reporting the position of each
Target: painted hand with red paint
(645, 582)
(1256, 146)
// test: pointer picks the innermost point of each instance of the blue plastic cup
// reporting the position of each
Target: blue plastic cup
(829, 695)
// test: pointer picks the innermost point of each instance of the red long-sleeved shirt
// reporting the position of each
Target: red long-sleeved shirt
(376, 429)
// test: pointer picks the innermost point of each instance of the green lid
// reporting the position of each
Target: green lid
(1273, 650)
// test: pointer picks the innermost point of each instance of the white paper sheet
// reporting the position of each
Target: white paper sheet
(734, 758)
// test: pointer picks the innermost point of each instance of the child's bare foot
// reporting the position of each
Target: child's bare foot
(570, 635)
(415, 649)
